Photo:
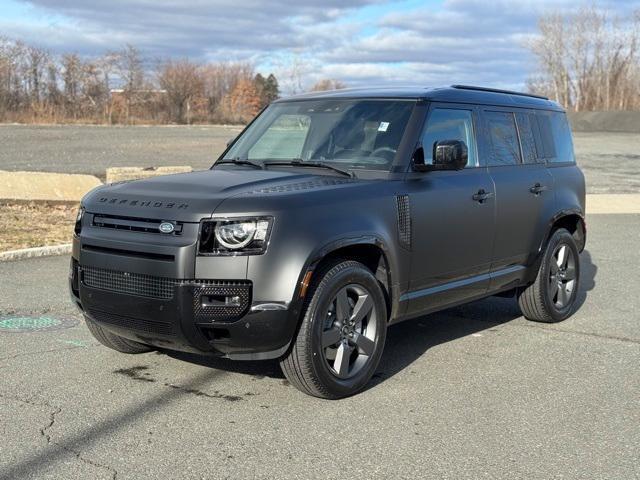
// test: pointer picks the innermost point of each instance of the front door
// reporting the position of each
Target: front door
(452, 216)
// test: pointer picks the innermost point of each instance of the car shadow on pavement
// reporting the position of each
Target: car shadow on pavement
(76, 445)
(408, 341)
(588, 272)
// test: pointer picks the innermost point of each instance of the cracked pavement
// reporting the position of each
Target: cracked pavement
(472, 392)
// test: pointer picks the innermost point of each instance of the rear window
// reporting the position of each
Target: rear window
(554, 143)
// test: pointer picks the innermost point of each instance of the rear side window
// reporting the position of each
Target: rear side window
(449, 124)
(547, 144)
(554, 143)
(505, 148)
(527, 128)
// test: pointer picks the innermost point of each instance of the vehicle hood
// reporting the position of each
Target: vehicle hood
(190, 197)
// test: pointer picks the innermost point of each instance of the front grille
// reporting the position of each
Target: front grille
(211, 298)
(134, 224)
(129, 283)
(140, 324)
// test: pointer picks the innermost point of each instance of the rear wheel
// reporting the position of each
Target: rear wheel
(342, 334)
(551, 297)
(114, 341)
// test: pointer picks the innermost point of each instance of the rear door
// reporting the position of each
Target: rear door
(524, 192)
(452, 215)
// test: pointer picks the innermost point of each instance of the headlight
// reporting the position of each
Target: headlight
(78, 226)
(246, 236)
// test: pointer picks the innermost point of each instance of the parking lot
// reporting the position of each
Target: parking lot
(607, 158)
(472, 392)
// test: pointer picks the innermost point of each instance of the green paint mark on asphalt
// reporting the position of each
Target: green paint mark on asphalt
(28, 323)
(25, 324)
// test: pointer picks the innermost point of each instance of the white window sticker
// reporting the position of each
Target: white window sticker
(383, 126)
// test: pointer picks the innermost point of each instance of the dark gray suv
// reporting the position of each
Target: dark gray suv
(332, 216)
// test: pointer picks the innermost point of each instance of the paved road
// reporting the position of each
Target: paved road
(474, 392)
(92, 149)
(610, 160)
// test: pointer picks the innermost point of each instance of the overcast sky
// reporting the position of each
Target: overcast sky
(361, 42)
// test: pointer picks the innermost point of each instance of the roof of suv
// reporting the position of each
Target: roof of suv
(454, 94)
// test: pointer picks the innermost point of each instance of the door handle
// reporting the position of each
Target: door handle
(537, 189)
(482, 196)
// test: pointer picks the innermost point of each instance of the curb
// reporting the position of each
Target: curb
(25, 253)
(613, 203)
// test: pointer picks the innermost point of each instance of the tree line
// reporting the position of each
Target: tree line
(588, 60)
(124, 87)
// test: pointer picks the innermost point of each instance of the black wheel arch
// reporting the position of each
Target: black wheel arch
(570, 219)
(370, 250)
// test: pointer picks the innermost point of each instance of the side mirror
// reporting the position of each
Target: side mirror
(450, 154)
(447, 155)
(230, 141)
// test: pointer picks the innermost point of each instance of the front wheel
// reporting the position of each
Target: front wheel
(342, 333)
(551, 297)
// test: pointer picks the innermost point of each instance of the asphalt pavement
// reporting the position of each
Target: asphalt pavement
(473, 392)
(606, 158)
(93, 148)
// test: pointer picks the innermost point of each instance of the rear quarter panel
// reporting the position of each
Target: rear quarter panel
(569, 187)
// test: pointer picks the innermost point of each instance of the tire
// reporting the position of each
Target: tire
(114, 341)
(551, 297)
(345, 304)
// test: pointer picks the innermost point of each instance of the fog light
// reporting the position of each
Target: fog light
(220, 300)
(232, 301)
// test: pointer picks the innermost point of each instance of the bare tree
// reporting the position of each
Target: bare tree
(183, 82)
(129, 67)
(36, 60)
(328, 84)
(72, 78)
(38, 86)
(588, 60)
(219, 80)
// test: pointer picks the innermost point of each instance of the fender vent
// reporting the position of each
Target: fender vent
(404, 220)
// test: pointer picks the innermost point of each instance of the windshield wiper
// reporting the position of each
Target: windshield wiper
(298, 162)
(237, 161)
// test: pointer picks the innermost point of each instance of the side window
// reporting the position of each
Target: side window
(547, 145)
(526, 122)
(504, 139)
(449, 124)
(284, 139)
(561, 138)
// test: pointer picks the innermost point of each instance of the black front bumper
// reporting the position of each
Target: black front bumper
(183, 315)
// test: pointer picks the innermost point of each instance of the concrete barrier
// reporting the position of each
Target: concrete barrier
(45, 186)
(604, 203)
(119, 174)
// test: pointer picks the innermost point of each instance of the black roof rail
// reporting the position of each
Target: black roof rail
(496, 90)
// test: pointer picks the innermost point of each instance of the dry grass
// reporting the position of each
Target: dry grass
(35, 225)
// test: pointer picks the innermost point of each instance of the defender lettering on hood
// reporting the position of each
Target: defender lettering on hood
(143, 203)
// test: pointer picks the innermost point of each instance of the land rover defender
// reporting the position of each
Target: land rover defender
(332, 216)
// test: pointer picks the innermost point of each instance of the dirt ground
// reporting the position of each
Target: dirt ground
(31, 225)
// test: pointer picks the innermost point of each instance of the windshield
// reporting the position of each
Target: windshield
(348, 134)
